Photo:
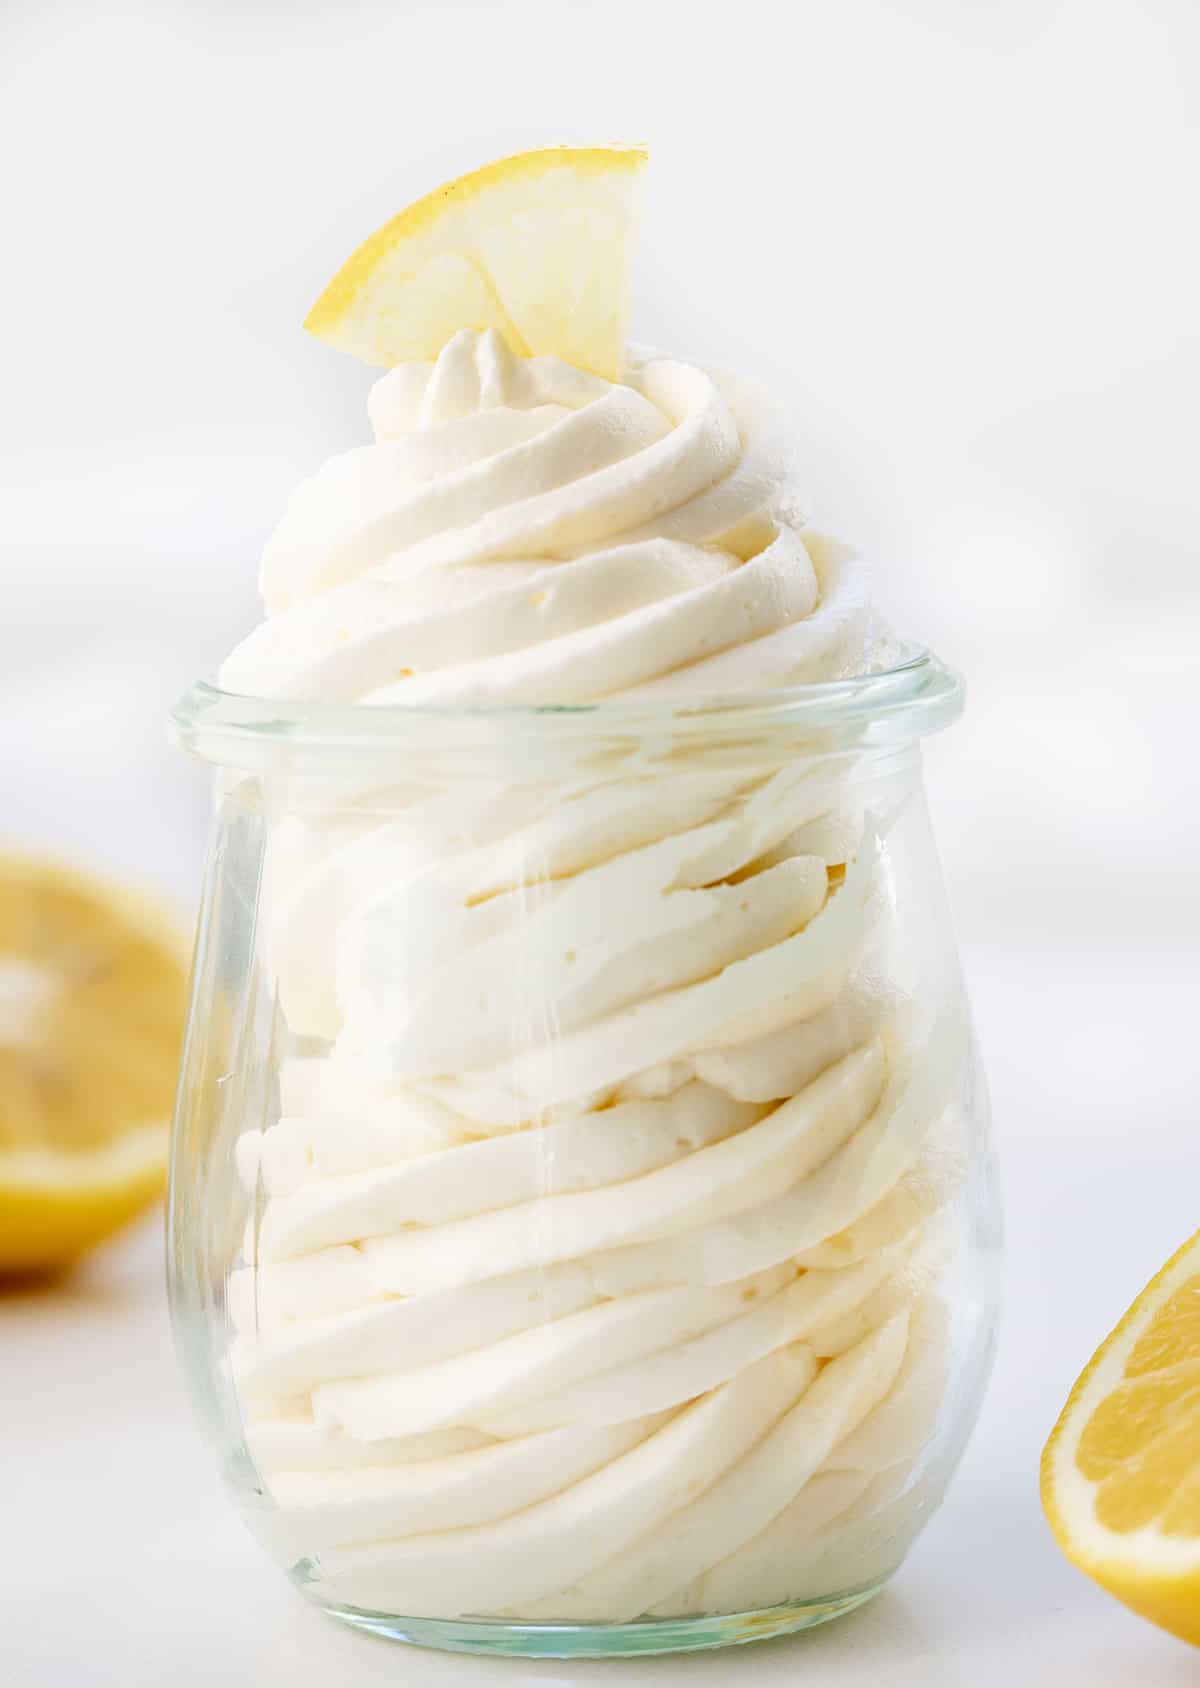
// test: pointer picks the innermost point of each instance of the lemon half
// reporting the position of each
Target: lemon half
(93, 989)
(535, 246)
(1121, 1471)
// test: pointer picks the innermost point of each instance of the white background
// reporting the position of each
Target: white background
(957, 239)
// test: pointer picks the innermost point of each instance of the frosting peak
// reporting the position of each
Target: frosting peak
(524, 532)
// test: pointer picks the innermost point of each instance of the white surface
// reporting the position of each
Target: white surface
(122, 1565)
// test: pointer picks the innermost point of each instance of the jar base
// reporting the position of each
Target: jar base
(599, 1641)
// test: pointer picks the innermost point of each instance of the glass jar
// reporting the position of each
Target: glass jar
(583, 1231)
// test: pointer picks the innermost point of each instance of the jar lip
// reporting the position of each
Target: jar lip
(915, 695)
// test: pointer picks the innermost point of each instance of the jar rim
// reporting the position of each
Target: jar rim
(914, 696)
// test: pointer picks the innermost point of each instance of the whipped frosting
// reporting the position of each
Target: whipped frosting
(524, 533)
(595, 1245)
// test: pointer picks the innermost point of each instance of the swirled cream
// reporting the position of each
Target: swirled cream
(593, 1262)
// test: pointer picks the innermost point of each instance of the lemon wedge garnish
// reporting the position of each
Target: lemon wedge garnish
(1121, 1471)
(93, 986)
(535, 247)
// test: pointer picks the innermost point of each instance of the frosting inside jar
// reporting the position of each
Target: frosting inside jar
(592, 1269)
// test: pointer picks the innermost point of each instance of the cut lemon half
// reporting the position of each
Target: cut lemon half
(1121, 1471)
(534, 246)
(93, 986)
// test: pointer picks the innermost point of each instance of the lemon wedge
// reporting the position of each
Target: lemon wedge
(1121, 1471)
(535, 246)
(93, 986)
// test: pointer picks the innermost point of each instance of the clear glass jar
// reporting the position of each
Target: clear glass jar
(583, 1231)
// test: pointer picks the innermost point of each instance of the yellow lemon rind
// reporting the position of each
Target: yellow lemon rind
(57, 1199)
(54, 1206)
(332, 317)
(1155, 1575)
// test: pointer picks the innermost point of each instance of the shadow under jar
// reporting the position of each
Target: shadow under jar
(582, 1229)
